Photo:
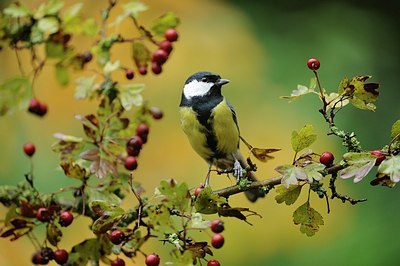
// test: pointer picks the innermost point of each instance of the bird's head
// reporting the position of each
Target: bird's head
(203, 83)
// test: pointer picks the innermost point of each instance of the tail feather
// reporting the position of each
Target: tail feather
(253, 194)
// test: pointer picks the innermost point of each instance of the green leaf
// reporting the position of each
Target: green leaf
(288, 195)
(291, 174)
(86, 87)
(198, 222)
(336, 101)
(395, 129)
(309, 219)
(167, 21)
(53, 234)
(111, 67)
(313, 171)
(14, 92)
(102, 194)
(134, 8)
(362, 95)
(48, 25)
(89, 250)
(391, 167)
(358, 165)
(54, 50)
(72, 12)
(299, 92)
(62, 74)
(160, 217)
(130, 95)
(50, 8)
(207, 202)
(177, 196)
(73, 170)
(304, 138)
(141, 54)
(16, 11)
(109, 213)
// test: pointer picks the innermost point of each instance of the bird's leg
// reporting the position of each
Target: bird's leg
(207, 181)
(237, 169)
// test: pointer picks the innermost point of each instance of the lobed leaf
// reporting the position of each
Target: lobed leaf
(288, 195)
(167, 21)
(130, 95)
(291, 174)
(359, 165)
(395, 129)
(391, 168)
(299, 92)
(309, 219)
(207, 202)
(304, 138)
(362, 95)
(141, 54)
(14, 92)
(16, 10)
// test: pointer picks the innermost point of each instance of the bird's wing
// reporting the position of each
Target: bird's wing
(233, 115)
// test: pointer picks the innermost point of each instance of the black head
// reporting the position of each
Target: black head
(203, 83)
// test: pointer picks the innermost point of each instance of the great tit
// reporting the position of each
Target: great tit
(210, 123)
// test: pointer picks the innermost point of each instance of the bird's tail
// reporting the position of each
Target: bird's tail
(253, 194)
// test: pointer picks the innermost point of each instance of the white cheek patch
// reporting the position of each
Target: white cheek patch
(196, 88)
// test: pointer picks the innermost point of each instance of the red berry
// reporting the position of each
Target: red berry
(116, 237)
(47, 253)
(326, 158)
(131, 163)
(43, 214)
(217, 241)
(379, 156)
(143, 70)
(160, 56)
(43, 109)
(156, 68)
(29, 149)
(37, 258)
(65, 219)
(313, 63)
(118, 262)
(166, 46)
(135, 142)
(213, 263)
(197, 191)
(34, 106)
(134, 145)
(61, 256)
(142, 130)
(129, 74)
(156, 113)
(217, 226)
(171, 35)
(152, 260)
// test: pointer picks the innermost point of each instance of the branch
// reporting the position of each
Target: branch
(274, 181)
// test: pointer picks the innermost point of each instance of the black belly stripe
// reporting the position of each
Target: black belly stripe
(203, 107)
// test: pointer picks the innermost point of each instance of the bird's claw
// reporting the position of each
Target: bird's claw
(237, 170)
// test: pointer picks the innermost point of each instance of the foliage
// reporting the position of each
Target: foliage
(99, 160)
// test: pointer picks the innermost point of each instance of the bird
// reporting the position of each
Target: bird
(210, 123)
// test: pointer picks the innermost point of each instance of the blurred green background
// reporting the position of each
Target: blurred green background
(262, 47)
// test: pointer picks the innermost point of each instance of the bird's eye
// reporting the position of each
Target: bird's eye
(204, 79)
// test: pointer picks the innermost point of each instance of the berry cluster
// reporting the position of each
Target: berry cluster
(47, 214)
(159, 56)
(37, 108)
(45, 255)
(134, 145)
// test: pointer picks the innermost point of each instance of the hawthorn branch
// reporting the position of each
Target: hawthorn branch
(274, 181)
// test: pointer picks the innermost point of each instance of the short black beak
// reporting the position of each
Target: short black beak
(221, 82)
